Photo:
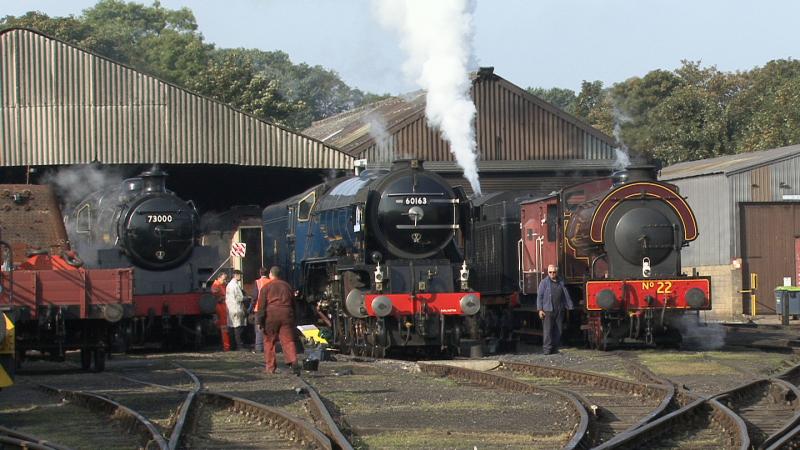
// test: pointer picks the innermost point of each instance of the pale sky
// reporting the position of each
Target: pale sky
(545, 43)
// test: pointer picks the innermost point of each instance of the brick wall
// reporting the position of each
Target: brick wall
(726, 282)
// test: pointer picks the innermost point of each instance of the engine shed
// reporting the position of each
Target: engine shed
(64, 107)
(748, 211)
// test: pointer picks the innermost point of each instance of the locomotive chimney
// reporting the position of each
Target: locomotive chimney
(400, 164)
(154, 180)
(635, 173)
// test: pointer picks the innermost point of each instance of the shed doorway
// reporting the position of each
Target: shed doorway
(769, 231)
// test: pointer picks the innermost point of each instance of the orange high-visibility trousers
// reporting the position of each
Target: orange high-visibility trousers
(222, 323)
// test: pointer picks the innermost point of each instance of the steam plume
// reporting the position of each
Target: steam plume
(622, 158)
(74, 183)
(383, 140)
(437, 36)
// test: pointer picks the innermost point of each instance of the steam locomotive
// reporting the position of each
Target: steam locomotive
(617, 241)
(379, 258)
(141, 224)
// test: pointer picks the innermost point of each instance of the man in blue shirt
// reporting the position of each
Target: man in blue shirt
(552, 298)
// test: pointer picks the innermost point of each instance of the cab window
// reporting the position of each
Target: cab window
(305, 205)
(83, 222)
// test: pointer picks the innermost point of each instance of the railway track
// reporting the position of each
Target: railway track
(13, 439)
(209, 419)
(615, 405)
(145, 433)
(759, 414)
(790, 439)
(702, 424)
(579, 433)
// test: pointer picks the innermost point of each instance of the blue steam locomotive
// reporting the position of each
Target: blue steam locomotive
(379, 258)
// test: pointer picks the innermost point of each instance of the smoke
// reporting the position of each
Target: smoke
(437, 37)
(383, 140)
(622, 158)
(74, 183)
(700, 336)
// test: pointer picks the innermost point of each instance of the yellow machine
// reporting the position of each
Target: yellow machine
(7, 364)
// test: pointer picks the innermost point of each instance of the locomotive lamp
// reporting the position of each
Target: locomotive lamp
(646, 267)
(464, 276)
(378, 278)
(378, 274)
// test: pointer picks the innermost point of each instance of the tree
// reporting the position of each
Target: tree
(231, 78)
(563, 98)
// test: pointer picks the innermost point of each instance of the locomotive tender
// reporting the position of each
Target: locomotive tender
(617, 241)
(379, 258)
(141, 224)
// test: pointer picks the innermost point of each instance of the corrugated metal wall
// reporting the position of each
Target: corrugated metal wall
(715, 200)
(510, 125)
(709, 198)
(762, 184)
(62, 105)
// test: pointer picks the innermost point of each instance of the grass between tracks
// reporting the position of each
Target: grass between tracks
(707, 363)
(437, 438)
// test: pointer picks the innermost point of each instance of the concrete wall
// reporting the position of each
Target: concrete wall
(726, 282)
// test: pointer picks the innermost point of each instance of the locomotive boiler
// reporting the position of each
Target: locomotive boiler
(139, 223)
(378, 257)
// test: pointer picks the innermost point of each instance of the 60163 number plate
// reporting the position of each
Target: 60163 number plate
(416, 201)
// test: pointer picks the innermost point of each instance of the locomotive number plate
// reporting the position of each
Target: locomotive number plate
(662, 287)
(416, 201)
(159, 218)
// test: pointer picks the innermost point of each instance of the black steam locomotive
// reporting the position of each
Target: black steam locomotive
(379, 258)
(141, 224)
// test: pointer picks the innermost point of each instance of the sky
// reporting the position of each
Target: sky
(532, 43)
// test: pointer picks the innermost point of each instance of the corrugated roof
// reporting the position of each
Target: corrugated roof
(350, 130)
(353, 131)
(60, 104)
(728, 164)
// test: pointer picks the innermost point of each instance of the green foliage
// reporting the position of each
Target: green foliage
(231, 78)
(166, 43)
(698, 112)
(563, 98)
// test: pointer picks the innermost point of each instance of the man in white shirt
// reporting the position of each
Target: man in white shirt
(237, 316)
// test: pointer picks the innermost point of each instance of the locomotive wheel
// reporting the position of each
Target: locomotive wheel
(99, 359)
(86, 358)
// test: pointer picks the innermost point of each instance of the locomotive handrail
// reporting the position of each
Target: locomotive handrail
(428, 227)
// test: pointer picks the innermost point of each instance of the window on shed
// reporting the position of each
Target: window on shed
(305, 205)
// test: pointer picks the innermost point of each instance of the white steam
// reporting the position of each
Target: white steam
(437, 37)
(622, 158)
(74, 183)
(384, 150)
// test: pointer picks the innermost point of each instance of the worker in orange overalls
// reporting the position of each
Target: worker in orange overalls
(262, 281)
(277, 305)
(218, 291)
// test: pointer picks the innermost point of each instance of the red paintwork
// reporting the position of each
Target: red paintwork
(47, 262)
(537, 249)
(653, 189)
(446, 303)
(172, 304)
(71, 287)
(637, 290)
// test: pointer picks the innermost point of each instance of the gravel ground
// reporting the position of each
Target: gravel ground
(386, 403)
